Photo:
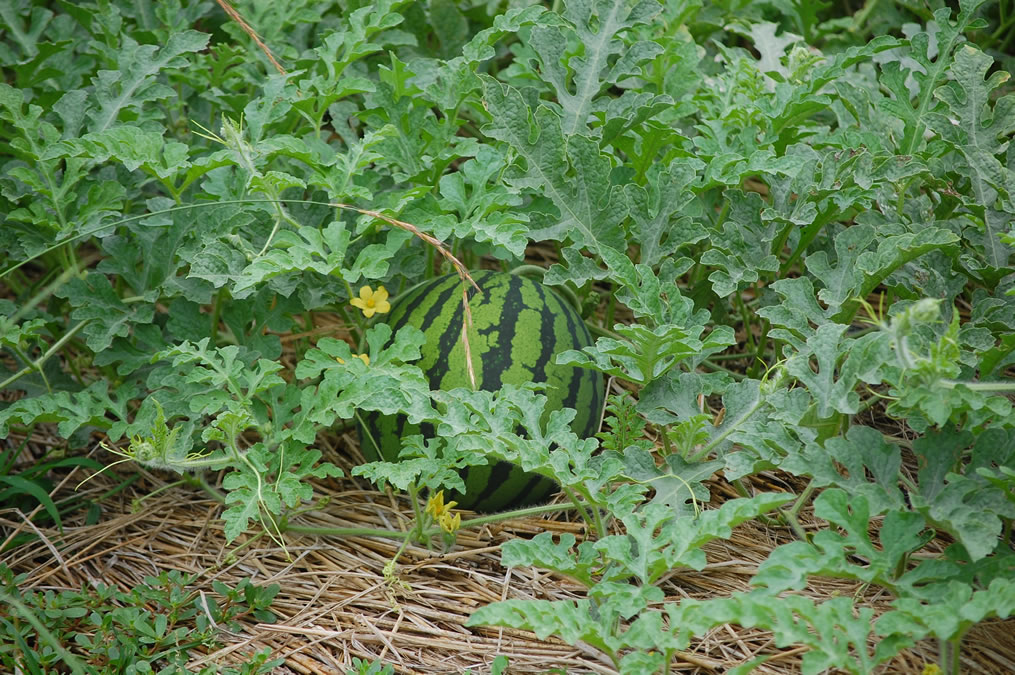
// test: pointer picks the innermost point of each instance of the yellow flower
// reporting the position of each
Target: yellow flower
(441, 512)
(450, 524)
(371, 301)
(436, 507)
(362, 357)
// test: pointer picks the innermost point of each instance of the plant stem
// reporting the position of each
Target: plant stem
(745, 317)
(202, 482)
(519, 513)
(596, 522)
(347, 531)
(38, 363)
(780, 241)
(167, 486)
(417, 513)
(611, 306)
(809, 234)
(742, 490)
(978, 386)
(791, 515)
(759, 362)
(860, 17)
(667, 447)
(522, 270)
(216, 312)
(50, 288)
(1002, 29)
(723, 212)
(604, 332)
(950, 657)
(715, 366)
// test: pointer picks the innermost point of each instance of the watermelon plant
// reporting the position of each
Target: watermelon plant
(788, 227)
(515, 329)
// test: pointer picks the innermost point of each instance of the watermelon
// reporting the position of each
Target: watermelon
(518, 328)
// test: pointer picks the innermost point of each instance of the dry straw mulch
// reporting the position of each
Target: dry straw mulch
(335, 605)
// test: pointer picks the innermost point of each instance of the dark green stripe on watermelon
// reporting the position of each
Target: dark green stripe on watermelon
(518, 328)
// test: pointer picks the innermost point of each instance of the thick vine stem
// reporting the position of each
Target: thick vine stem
(978, 386)
(522, 270)
(791, 515)
(200, 481)
(347, 532)
(38, 363)
(519, 513)
(426, 533)
(597, 522)
(563, 289)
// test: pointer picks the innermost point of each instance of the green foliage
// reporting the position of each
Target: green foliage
(30, 488)
(361, 667)
(157, 625)
(655, 544)
(643, 355)
(781, 221)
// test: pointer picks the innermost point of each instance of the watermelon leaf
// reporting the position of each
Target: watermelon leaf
(841, 364)
(307, 249)
(741, 251)
(982, 123)
(858, 271)
(761, 423)
(105, 314)
(542, 551)
(425, 463)
(659, 211)
(954, 609)
(675, 484)
(135, 83)
(485, 212)
(851, 554)
(930, 56)
(835, 631)
(608, 58)
(846, 462)
(654, 298)
(572, 171)
(91, 406)
(512, 426)
(387, 384)
(966, 506)
(656, 544)
(645, 355)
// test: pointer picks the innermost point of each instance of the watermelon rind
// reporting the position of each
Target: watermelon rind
(518, 328)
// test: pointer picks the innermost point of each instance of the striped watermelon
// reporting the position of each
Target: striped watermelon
(518, 328)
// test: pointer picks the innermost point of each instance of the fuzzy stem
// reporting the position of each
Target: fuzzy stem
(519, 513)
(200, 481)
(347, 532)
(38, 363)
(978, 386)
(791, 514)
(596, 522)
